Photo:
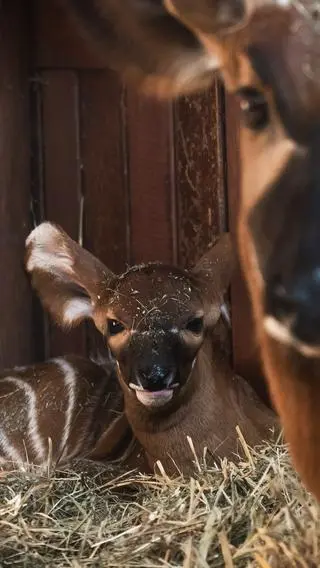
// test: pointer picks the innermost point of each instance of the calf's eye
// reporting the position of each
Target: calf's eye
(114, 327)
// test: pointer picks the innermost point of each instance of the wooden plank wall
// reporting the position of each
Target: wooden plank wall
(16, 339)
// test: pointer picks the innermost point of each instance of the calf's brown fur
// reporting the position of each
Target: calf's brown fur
(61, 409)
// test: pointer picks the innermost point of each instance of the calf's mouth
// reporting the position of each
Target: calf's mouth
(154, 398)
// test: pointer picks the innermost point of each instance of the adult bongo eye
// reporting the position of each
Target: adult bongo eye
(195, 325)
(115, 327)
(254, 108)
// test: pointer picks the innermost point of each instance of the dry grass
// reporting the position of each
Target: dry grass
(255, 514)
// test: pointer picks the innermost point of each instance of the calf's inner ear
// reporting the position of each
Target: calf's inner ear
(213, 273)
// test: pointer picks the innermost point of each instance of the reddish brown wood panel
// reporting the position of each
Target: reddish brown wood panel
(103, 150)
(152, 204)
(16, 338)
(103, 153)
(200, 177)
(245, 348)
(62, 176)
(200, 172)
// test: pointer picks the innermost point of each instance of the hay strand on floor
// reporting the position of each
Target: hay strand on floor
(255, 514)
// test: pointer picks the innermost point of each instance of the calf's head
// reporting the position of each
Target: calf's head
(154, 317)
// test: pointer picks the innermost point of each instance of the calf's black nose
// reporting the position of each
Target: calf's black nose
(154, 378)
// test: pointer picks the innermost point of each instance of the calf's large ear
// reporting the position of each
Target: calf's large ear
(68, 279)
(214, 273)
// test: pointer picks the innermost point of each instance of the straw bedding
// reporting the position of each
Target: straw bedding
(252, 514)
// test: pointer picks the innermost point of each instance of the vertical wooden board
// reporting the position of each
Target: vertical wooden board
(200, 175)
(245, 349)
(104, 174)
(62, 176)
(37, 203)
(16, 338)
(150, 153)
(102, 148)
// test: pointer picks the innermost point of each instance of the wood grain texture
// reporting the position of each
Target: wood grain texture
(16, 338)
(200, 172)
(104, 167)
(200, 177)
(152, 204)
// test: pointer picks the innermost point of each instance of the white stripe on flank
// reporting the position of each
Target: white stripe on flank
(8, 449)
(85, 433)
(70, 380)
(33, 426)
